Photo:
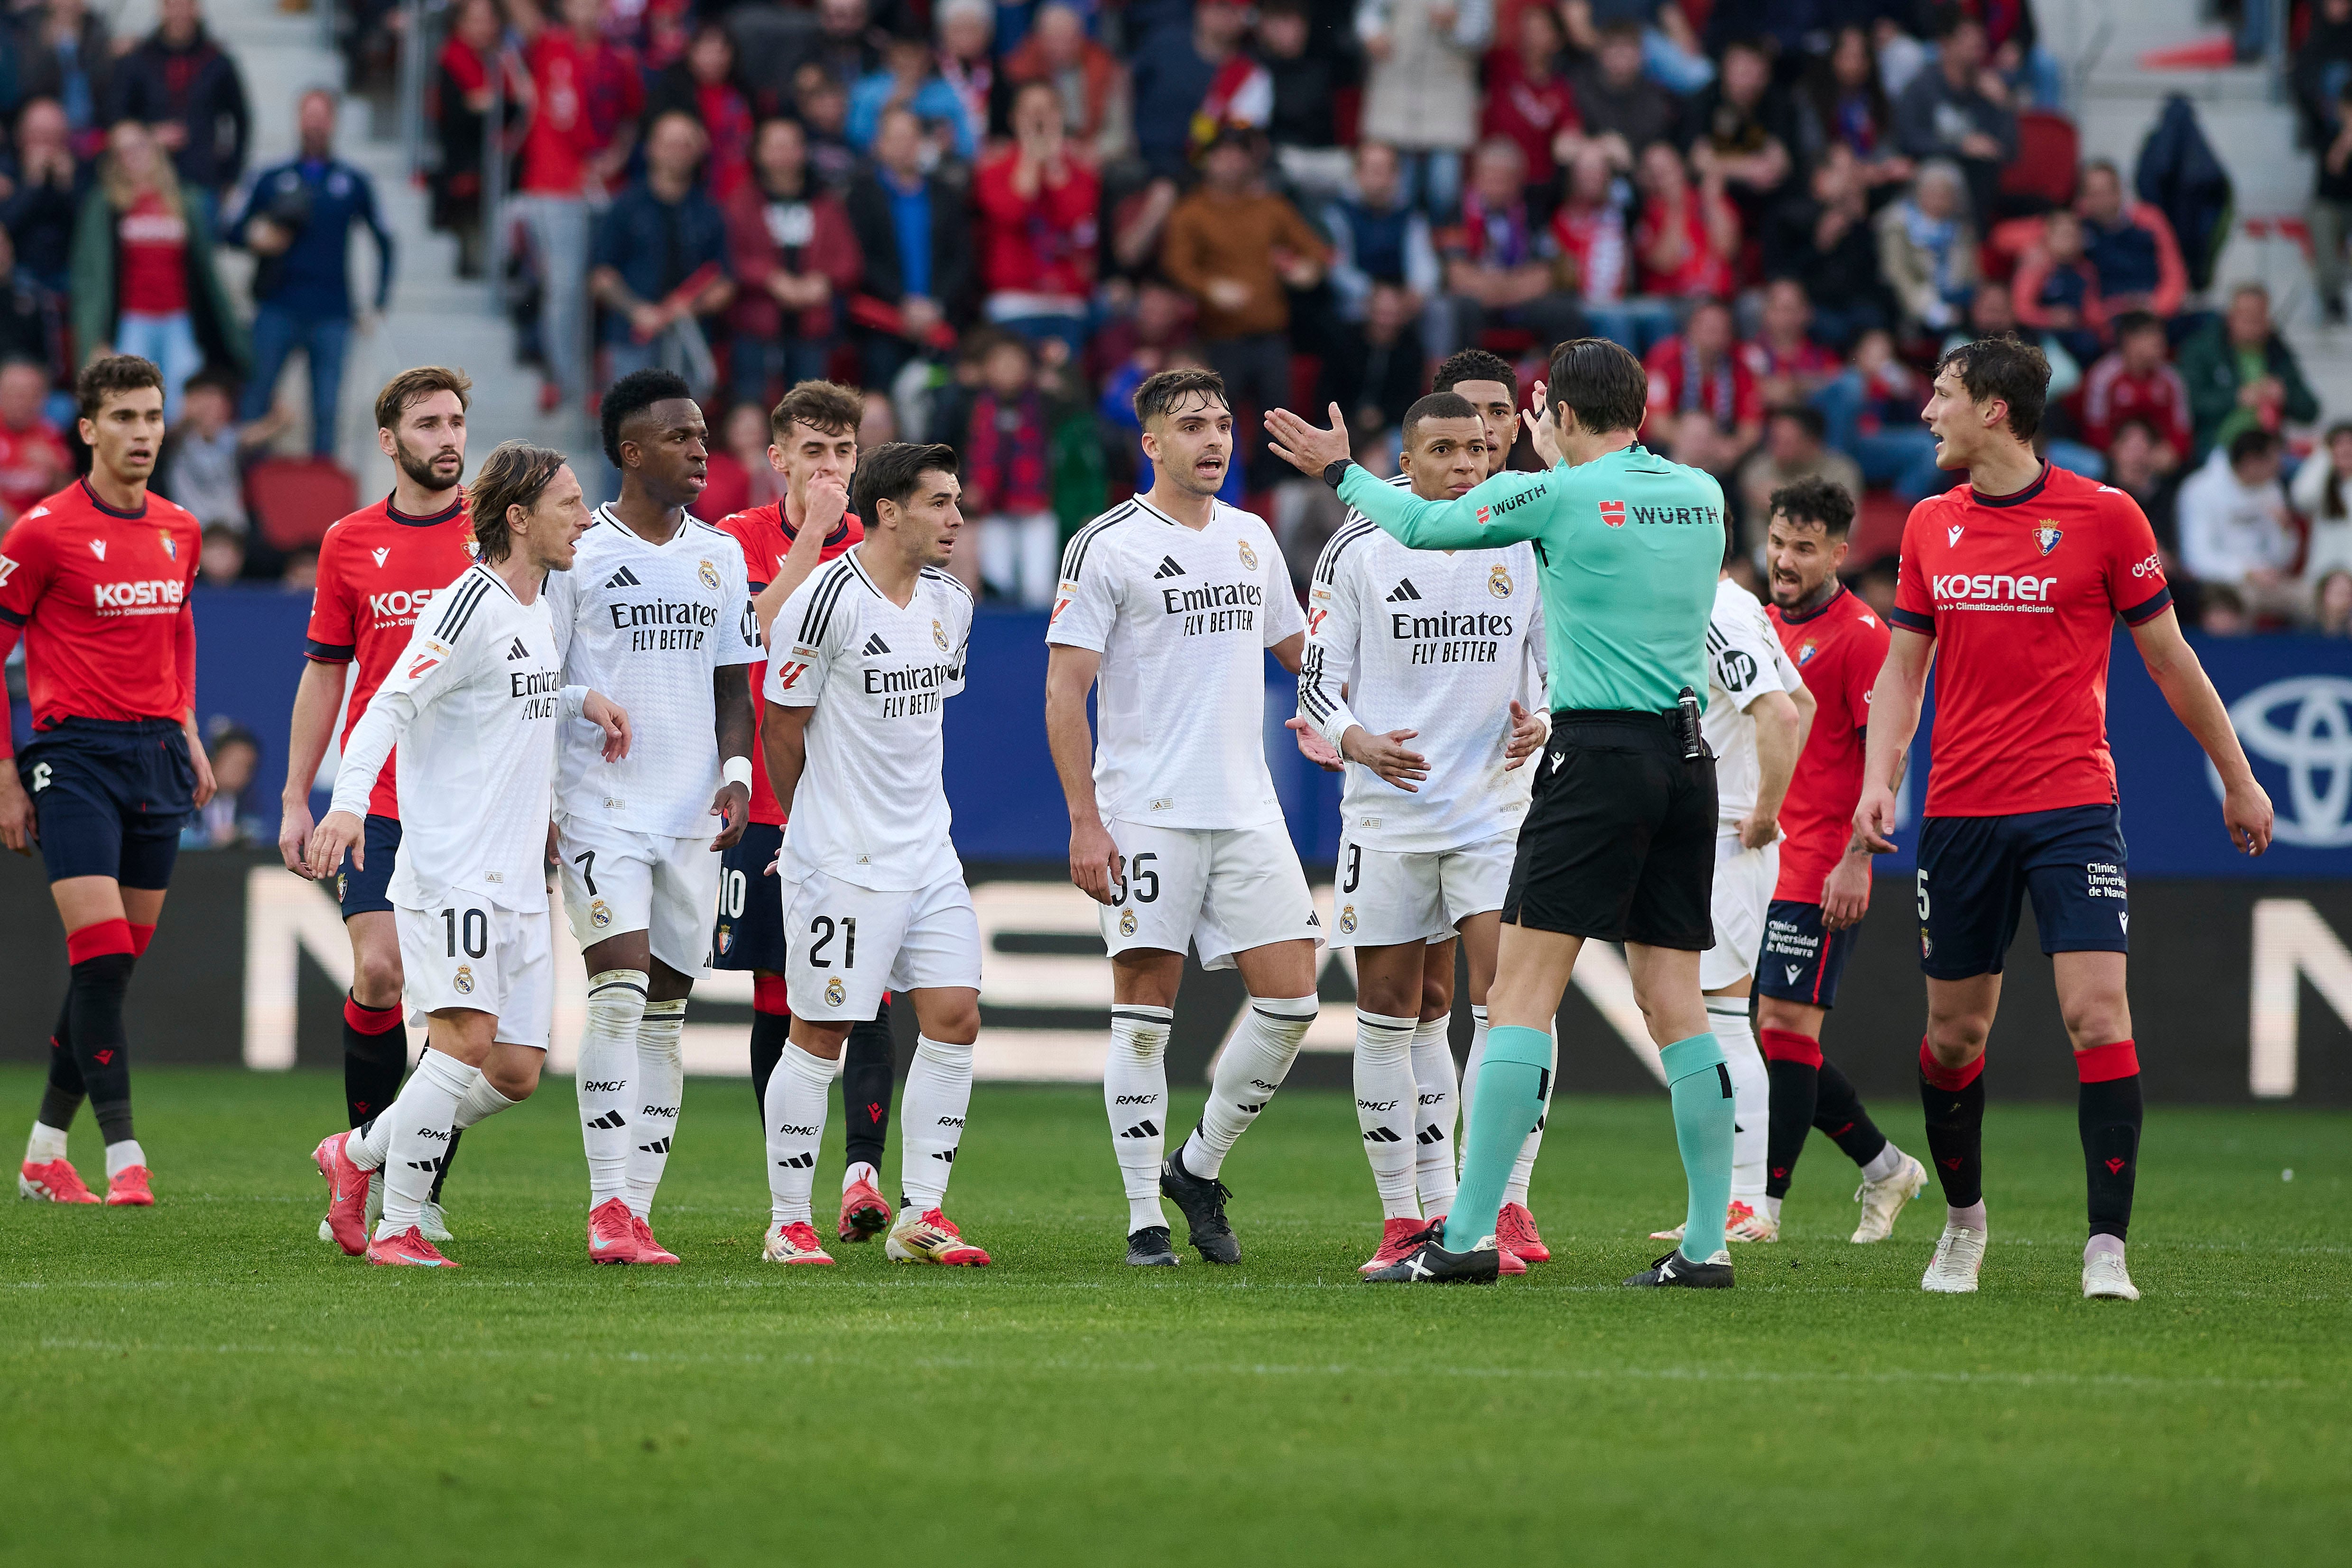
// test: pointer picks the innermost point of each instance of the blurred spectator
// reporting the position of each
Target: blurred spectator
(740, 475)
(585, 95)
(1304, 123)
(703, 86)
(2056, 289)
(1670, 49)
(2137, 380)
(1036, 203)
(661, 261)
(822, 107)
(1873, 416)
(300, 572)
(28, 317)
(1596, 255)
(794, 259)
(184, 85)
(2321, 487)
(1850, 110)
(1088, 78)
(220, 557)
(1420, 90)
(2234, 528)
(1991, 314)
(1687, 238)
(2221, 612)
(1501, 267)
(1824, 239)
(34, 461)
(1178, 66)
(1789, 368)
(1378, 238)
(1703, 401)
(1377, 369)
(476, 47)
(1877, 585)
(1527, 100)
(1794, 447)
(878, 421)
(1958, 110)
(46, 185)
(2131, 451)
(2130, 245)
(1745, 130)
(144, 280)
(911, 79)
(298, 221)
(1623, 109)
(2332, 604)
(1007, 484)
(228, 820)
(915, 239)
(849, 46)
(2322, 96)
(967, 37)
(1928, 247)
(2242, 375)
(202, 465)
(1235, 247)
(65, 53)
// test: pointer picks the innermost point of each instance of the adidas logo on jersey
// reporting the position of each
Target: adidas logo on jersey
(875, 645)
(1168, 568)
(623, 578)
(1404, 592)
(518, 650)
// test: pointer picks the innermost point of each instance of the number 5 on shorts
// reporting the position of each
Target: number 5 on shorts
(1923, 895)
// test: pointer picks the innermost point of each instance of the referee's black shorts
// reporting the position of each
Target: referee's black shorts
(1619, 841)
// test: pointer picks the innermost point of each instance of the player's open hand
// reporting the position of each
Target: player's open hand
(1386, 756)
(1845, 892)
(1873, 818)
(294, 827)
(1528, 733)
(1304, 447)
(2246, 810)
(1541, 428)
(338, 832)
(1094, 862)
(732, 806)
(613, 719)
(203, 766)
(1313, 747)
(19, 829)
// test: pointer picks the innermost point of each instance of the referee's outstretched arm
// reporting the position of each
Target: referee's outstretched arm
(1499, 511)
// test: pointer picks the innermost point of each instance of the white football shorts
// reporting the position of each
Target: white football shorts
(618, 881)
(847, 945)
(1385, 897)
(1743, 892)
(473, 953)
(1224, 891)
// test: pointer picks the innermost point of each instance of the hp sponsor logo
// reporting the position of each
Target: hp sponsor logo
(2302, 723)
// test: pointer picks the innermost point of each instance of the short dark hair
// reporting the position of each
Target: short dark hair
(827, 407)
(633, 394)
(1809, 418)
(2135, 322)
(1438, 405)
(412, 385)
(892, 471)
(515, 473)
(1476, 365)
(1601, 382)
(1162, 392)
(2006, 368)
(1815, 499)
(110, 377)
(2248, 444)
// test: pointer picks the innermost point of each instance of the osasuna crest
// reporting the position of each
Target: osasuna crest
(1805, 652)
(709, 575)
(2048, 535)
(1499, 583)
(726, 940)
(835, 993)
(1612, 513)
(171, 545)
(1249, 557)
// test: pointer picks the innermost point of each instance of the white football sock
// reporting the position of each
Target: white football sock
(799, 1092)
(859, 1171)
(1433, 1121)
(930, 1121)
(1889, 1161)
(415, 1128)
(122, 1157)
(1751, 1094)
(660, 1088)
(1248, 1074)
(1385, 1100)
(46, 1143)
(1135, 1097)
(480, 1102)
(1522, 1169)
(608, 1064)
(1772, 1207)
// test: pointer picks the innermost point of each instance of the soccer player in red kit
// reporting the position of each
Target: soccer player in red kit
(1809, 928)
(96, 580)
(814, 431)
(2014, 582)
(378, 568)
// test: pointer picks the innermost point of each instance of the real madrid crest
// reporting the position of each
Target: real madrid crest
(463, 980)
(1249, 557)
(709, 575)
(599, 914)
(1499, 582)
(940, 636)
(1347, 914)
(1126, 923)
(835, 993)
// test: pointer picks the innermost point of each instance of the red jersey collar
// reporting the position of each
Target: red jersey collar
(443, 515)
(109, 511)
(784, 527)
(2019, 499)
(1791, 618)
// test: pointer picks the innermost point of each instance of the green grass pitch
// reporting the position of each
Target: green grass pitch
(207, 1382)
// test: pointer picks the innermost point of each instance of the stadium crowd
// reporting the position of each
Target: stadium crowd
(1000, 218)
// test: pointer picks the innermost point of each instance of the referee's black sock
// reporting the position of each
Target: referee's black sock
(866, 1088)
(375, 1053)
(1794, 1063)
(2108, 1110)
(62, 1095)
(772, 1025)
(1953, 1100)
(101, 956)
(1838, 1111)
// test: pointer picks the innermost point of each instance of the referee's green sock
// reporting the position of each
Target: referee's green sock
(1700, 1086)
(1511, 1085)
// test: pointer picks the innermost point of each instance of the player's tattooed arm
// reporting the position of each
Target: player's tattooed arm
(731, 697)
(2172, 663)
(1094, 856)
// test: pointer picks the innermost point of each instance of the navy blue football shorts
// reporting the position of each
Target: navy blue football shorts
(110, 798)
(1974, 873)
(363, 890)
(750, 932)
(1803, 960)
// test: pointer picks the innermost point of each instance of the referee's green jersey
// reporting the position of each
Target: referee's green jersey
(1630, 547)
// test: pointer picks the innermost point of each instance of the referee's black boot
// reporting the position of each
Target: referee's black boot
(1430, 1264)
(1202, 1201)
(1673, 1269)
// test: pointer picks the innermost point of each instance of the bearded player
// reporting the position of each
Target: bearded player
(378, 569)
(2013, 583)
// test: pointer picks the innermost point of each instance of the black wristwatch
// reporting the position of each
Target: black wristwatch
(1335, 472)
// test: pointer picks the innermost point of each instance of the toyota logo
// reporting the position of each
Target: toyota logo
(2304, 724)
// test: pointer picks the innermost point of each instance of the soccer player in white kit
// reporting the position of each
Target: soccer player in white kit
(867, 651)
(1757, 711)
(474, 706)
(656, 612)
(1444, 642)
(1167, 605)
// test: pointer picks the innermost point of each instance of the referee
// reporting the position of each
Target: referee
(1619, 843)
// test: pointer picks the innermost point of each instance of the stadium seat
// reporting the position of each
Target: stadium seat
(2049, 155)
(1878, 527)
(296, 499)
